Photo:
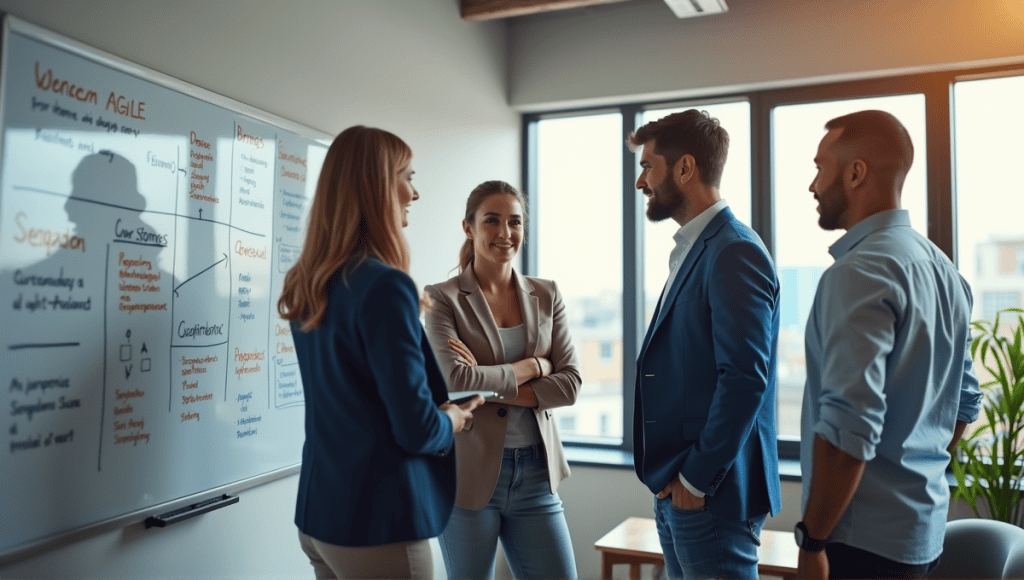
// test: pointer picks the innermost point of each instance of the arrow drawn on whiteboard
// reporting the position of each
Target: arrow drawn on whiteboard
(127, 371)
(204, 270)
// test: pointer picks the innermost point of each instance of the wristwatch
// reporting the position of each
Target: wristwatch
(805, 541)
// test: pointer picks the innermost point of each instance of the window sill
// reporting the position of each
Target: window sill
(789, 469)
(598, 457)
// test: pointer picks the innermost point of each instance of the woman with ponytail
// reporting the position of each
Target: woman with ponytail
(494, 329)
(377, 477)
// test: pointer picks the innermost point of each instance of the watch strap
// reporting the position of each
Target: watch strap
(806, 542)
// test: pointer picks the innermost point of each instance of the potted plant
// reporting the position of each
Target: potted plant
(990, 459)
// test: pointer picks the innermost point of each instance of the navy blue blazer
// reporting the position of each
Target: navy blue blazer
(377, 464)
(705, 384)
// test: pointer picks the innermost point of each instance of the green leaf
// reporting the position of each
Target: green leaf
(990, 460)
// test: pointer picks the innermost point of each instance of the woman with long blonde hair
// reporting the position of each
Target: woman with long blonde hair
(378, 474)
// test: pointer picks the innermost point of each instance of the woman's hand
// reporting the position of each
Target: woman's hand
(461, 414)
(465, 356)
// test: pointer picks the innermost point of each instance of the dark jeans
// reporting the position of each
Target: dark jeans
(849, 562)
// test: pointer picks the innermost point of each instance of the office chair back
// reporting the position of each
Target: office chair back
(980, 548)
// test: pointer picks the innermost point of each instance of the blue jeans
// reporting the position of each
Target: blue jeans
(523, 514)
(699, 545)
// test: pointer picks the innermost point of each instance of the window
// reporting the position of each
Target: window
(567, 423)
(579, 195)
(989, 122)
(992, 301)
(614, 277)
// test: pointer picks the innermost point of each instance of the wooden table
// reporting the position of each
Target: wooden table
(635, 542)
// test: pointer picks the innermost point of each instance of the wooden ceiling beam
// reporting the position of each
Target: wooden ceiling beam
(476, 10)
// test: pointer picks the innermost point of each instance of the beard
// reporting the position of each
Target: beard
(665, 200)
(833, 205)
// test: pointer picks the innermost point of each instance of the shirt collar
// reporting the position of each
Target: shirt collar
(866, 227)
(689, 231)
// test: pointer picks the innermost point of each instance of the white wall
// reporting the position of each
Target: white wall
(409, 66)
(638, 49)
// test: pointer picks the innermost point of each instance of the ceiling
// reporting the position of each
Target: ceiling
(477, 10)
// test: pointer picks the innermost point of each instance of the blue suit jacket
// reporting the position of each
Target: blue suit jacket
(705, 384)
(377, 465)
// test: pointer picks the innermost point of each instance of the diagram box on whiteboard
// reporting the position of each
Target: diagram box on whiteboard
(286, 257)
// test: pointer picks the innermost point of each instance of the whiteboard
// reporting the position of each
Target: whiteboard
(146, 226)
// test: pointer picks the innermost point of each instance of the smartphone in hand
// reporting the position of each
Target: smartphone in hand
(465, 396)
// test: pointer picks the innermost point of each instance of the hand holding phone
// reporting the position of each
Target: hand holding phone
(465, 396)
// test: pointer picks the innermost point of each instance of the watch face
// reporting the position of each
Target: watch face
(798, 535)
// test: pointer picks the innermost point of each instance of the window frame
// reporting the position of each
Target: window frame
(937, 88)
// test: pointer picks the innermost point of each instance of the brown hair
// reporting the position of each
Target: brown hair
(476, 198)
(879, 137)
(687, 132)
(355, 214)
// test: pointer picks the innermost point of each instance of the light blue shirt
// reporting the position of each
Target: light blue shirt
(889, 373)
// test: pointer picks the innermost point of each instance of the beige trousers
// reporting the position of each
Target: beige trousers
(399, 560)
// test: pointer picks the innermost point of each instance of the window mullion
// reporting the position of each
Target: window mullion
(632, 275)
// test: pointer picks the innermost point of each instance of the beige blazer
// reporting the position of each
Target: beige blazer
(459, 310)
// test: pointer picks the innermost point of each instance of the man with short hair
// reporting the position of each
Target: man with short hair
(704, 434)
(890, 384)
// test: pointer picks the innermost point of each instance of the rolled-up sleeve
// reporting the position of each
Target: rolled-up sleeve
(970, 391)
(858, 310)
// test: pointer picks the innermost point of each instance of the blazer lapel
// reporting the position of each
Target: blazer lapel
(669, 297)
(682, 277)
(474, 297)
(530, 305)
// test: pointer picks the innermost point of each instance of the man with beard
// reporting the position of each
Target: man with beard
(704, 421)
(890, 385)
